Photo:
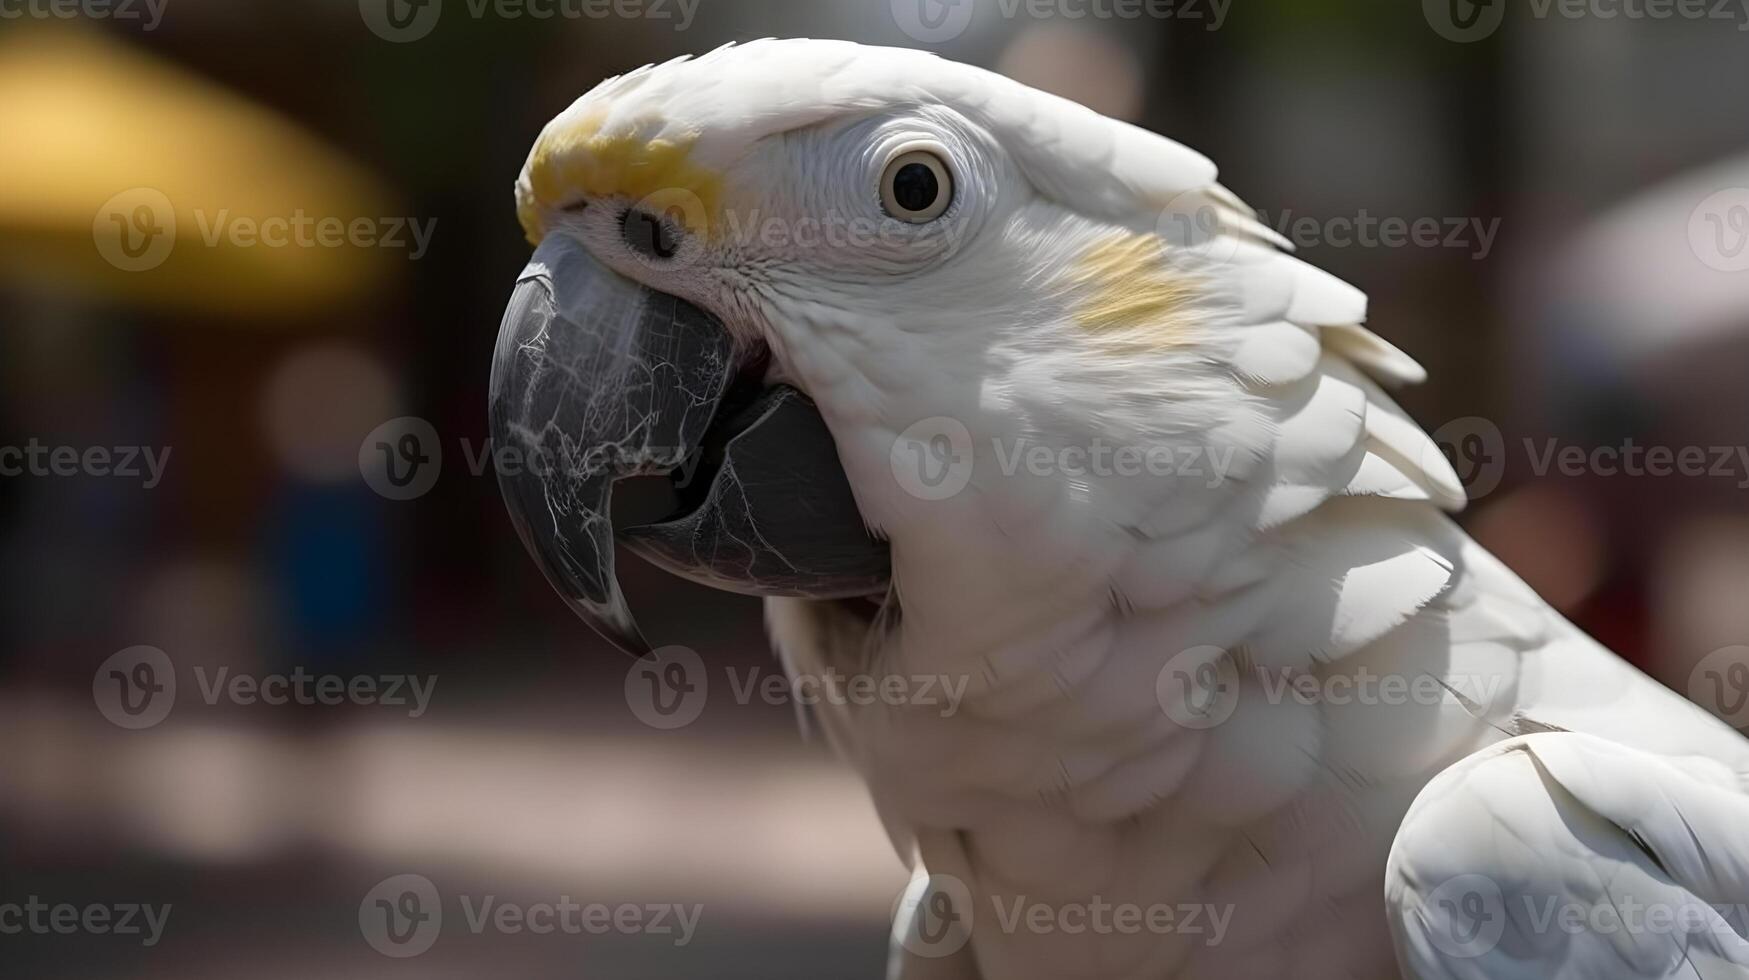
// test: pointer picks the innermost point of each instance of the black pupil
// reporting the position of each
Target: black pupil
(915, 187)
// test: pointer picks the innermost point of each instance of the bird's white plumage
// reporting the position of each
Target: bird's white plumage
(1100, 285)
(1561, 856)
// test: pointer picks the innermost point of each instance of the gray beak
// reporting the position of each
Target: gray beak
(596, 379)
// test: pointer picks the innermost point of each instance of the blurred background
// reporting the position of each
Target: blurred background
(248, 250)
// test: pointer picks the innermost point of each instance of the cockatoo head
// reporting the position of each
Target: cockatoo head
(899, 319)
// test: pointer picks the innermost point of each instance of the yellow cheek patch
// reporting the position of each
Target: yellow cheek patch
(579, 161)
(1129, 291)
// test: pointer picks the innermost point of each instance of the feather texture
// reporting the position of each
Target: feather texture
(1216, 688)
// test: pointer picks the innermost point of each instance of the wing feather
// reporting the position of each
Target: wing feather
(1563, 856)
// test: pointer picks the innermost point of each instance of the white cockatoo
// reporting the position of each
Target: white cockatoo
(982, 388)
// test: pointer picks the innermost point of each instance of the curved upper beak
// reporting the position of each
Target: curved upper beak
(596, 379)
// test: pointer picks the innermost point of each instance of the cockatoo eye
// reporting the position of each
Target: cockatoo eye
(916, 187)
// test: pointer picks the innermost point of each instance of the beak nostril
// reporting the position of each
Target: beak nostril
(649, 235)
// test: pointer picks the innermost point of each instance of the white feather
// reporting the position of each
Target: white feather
(1077, 607)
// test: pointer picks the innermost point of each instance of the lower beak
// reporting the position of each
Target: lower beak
(597, 379)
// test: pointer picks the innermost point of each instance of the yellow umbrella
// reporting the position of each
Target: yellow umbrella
(127, 177)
